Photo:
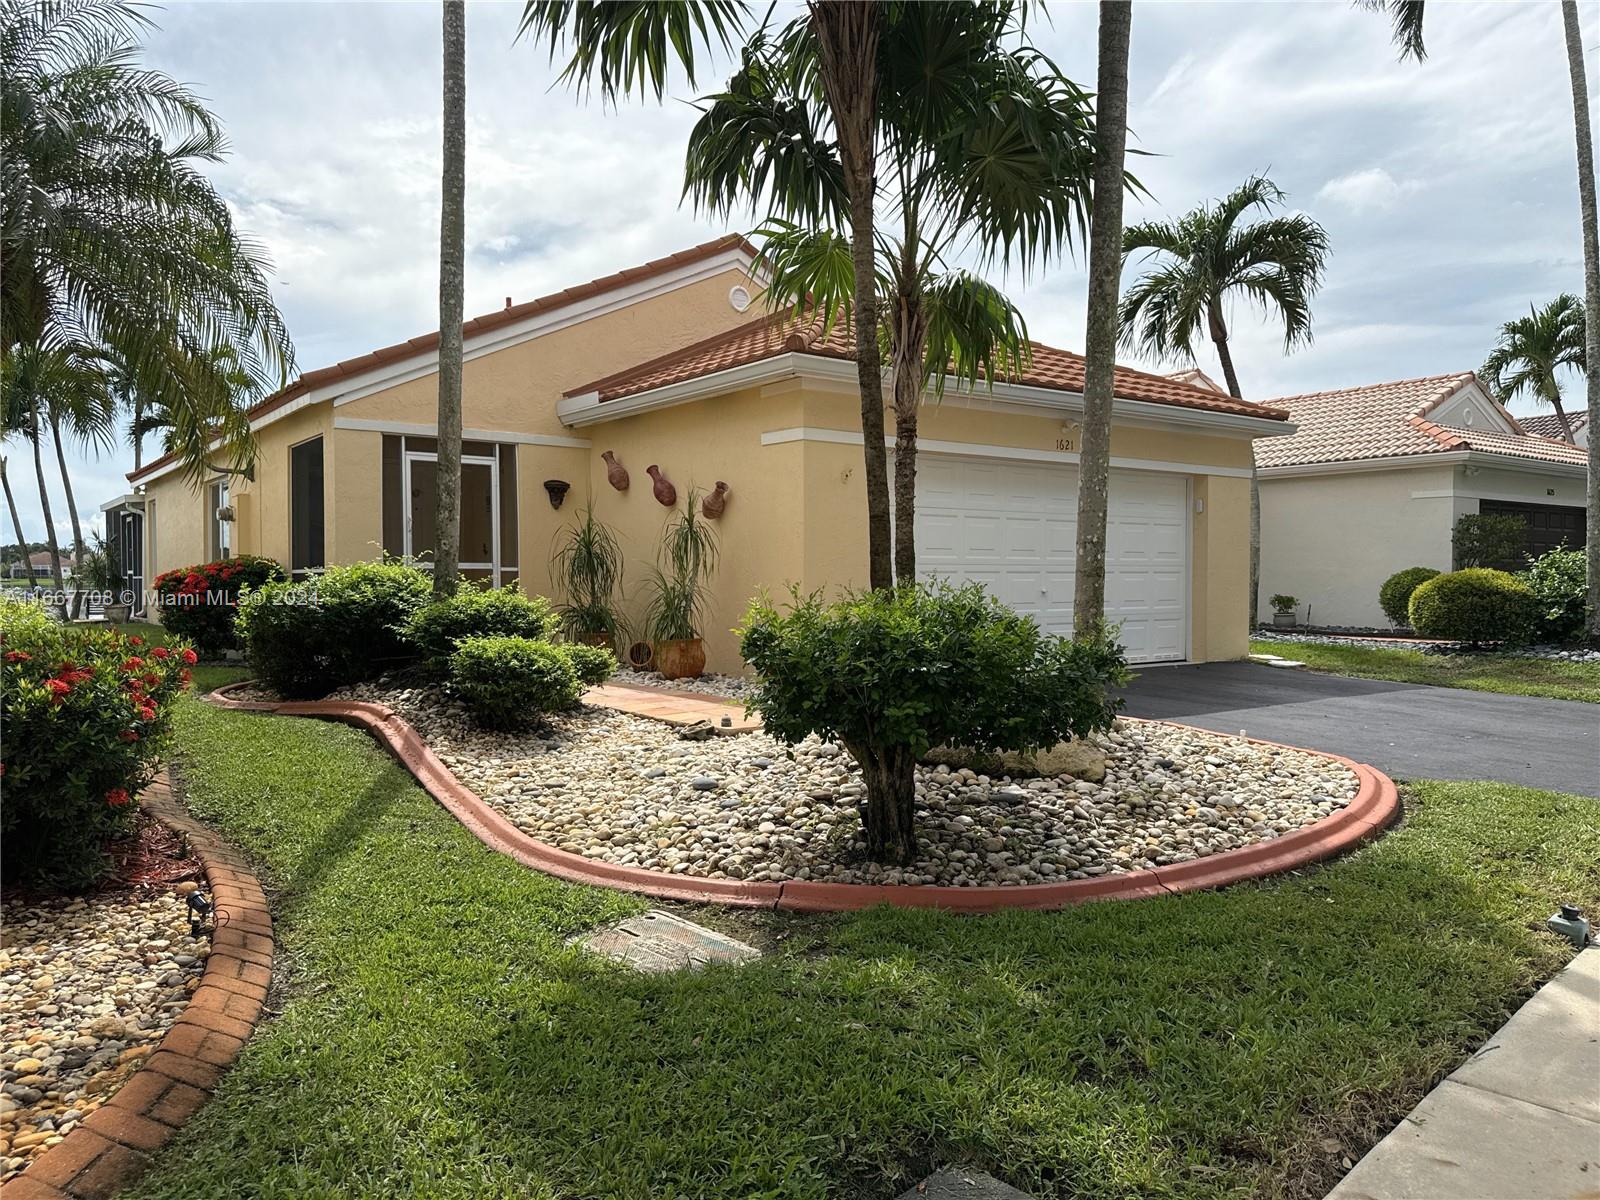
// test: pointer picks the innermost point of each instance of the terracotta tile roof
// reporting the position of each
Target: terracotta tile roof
(1389, 420)
(1547, 425)
(768, 336)
(428, 342)
(1198, 378)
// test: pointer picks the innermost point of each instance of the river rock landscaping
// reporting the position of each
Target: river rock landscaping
(627, 790)
(88, 987)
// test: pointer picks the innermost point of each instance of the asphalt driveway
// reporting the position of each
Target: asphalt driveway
(1407, 730)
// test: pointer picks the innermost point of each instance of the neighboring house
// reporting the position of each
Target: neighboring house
(125, 543)
(672, 365)
(39, 566)
(1376, 478)
(1198, 378)
(1548, 425)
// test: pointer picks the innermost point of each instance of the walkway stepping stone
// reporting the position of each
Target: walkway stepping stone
(1265, 658)
(1289, 664)
(659, 941)
(963, 1183)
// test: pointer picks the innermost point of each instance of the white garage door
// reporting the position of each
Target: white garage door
(1013, 528)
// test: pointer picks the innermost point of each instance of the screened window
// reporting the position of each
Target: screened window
(306, 551)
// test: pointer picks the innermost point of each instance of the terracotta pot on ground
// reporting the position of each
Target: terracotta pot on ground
(118, 614)
(681, 659)
(603, 640)
(641, 656)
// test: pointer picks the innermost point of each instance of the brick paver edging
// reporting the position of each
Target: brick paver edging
(1375, 806)
(112, 1146)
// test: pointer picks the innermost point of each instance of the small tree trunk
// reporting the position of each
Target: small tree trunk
(1100, 340)
(1591, 296)
(910, 347)
(452, 255)
(1219, 335)
(72, 511)
(847, 35)
(889, 814)
(138, 438)
(36, 435)
(16, 521)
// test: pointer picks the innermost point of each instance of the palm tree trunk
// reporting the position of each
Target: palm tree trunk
(1562, 419)
(138, 438)
(1591, 295)
(16, 521)
(72, 511)
(910, 345)
(1100, 339)
(847, 35)
(35, 435)
(452, 255)
(1219, 336)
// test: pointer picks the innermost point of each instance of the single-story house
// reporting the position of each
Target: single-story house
(1375, 478)
(1549, 425)
(40, 566)
(673, 365)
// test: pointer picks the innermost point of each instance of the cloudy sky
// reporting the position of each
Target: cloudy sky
(1448, 189)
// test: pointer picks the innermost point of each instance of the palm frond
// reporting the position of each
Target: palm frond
(974, 332)
(627, 45)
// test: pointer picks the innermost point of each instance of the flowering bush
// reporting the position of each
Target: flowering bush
(199, 602)
(345, 624)
(86, 717)
(511, 682)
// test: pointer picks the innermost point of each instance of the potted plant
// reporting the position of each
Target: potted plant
(677, 583)
(587, 568)
(1283, 610)
(102, 576)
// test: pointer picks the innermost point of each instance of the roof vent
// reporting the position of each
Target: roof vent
(508, 301)
(739, 297)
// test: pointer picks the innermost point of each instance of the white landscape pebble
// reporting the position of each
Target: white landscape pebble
(88, 986)
(627, 790)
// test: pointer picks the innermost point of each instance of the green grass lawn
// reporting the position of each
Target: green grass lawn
(434, 1036)
(1477, 672)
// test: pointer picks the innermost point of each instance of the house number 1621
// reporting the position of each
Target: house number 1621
(1065, 442)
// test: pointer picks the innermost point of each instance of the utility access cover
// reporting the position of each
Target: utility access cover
(659, 941)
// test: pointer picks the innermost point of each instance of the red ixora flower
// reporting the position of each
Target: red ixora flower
(186, 676)
(128, 735)
(57, 688)
(160, 652)
(117, 797)
(190, 657)
(18, 656)
(147, 713)
(136, 640)
(133, 664)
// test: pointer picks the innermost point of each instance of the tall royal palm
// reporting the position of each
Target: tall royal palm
(1534, 350)
(982, 144)
(1204, 259)
(452, 269)
(111, 237)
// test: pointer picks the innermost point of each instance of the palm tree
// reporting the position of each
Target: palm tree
(1100, 334)
(1531, 352)
(452, 267)
(111, 237)
(1407, 18)
(83, 404)
(1204, 257)
(983, 143)
(11, 505)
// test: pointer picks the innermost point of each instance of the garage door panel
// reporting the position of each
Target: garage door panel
(1013, 528)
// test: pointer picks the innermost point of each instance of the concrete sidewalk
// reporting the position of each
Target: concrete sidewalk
(1519, 1121)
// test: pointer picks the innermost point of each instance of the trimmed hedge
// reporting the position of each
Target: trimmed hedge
(344, 625)
(199, 602)
(1394, 597)
(511, 683)
(477, 611)
(87, 716)
(1476, 605)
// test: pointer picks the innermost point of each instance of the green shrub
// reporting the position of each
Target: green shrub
(890, 673)
(199, 602)
(1395, 594)
(512, 682)
(1558, 580)
(86, 714)
(304, 639)
(1497, 540)
(477, 611)
(593, 664)
(1475, 605)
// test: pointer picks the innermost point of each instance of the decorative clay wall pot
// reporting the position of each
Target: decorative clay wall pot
(681, 660)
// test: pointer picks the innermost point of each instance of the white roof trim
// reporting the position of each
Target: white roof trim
(471, 435)
(844, 437)
(126, 501)
(426, 362)
(587, 408)
(1401, 462)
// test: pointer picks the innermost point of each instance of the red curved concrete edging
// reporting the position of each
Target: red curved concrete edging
(112, 1146)
(1376, 805)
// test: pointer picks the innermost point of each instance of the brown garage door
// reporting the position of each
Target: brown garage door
(1549, 525)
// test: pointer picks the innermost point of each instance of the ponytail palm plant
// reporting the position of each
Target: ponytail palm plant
(111, 236)
(1532, 352)
(983, 145)
(1200, 262)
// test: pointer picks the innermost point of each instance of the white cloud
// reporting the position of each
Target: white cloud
(1369, 190)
